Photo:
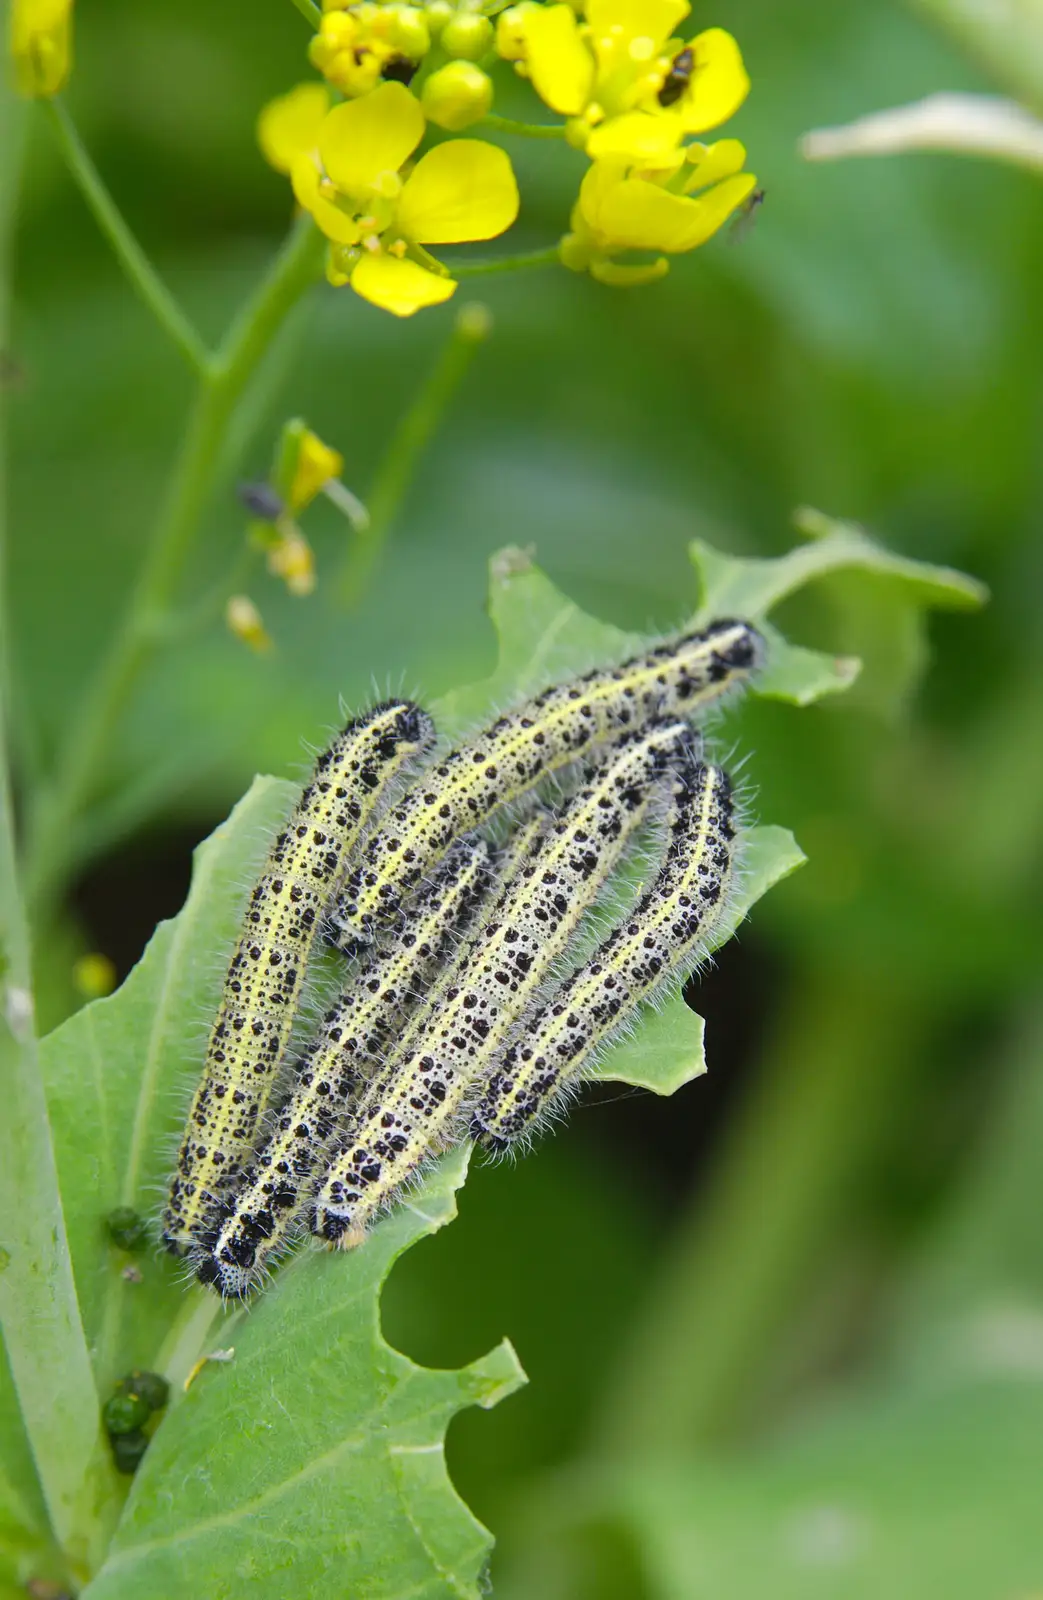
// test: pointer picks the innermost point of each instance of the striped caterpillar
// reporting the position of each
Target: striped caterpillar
(496, 979)
(525, 746)
(663, 935)
(262, 989)
(355, 1032)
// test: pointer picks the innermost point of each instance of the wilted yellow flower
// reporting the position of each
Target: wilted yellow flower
(244, 620)
(316, 464)
(357, 45)
(620, 71)
(290, 558)
(378, 217)
(41, 45)
(621, 208)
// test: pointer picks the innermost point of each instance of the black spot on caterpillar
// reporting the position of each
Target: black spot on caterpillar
(496, 979)
(663, 935)
(511, 757)
(261, 992)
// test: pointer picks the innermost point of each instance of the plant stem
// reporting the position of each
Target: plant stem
(141, 273)
(141, 630)
(525, 130)
(309, 11)
(398, 464)
(39, 1312)
(519, 263)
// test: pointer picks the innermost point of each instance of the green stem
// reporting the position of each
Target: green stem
(135, 263)
(398, 464)
(525, 130)
(142, 628)
(39, 1312)
(310, 12)
(519, 263)
(712, 1334)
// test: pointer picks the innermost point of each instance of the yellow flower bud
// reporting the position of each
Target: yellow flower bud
(457, 95)
(316, 464)
(436, 15)
(409, 33)
(467, 36)
(94, 975)
(41, 45)
(291, 560)
(511, 38)
(244, 620)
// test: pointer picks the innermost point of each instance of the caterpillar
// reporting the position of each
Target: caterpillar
(666, 930)
(263, 1215)
(523, 747)
(496, 979)
(259, 1002)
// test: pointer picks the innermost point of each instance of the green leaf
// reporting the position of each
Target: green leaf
(666, 1049)
(313, 1461)
(316, 1444)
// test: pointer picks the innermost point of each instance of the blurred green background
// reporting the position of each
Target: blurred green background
(786, 1329)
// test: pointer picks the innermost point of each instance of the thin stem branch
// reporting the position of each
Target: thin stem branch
(397, 466)
(140, 272)
(142, 628)
(39, 1311)
(519, 263)
(310, 12)
(525, 130)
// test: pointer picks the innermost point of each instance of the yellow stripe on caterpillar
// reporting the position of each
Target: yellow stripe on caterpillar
(263, 1216)
(497, 979)
(663, 935)
(520, 749)
(258, 1005)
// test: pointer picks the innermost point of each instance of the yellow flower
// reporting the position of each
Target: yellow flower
(41, 45)
(621, 208)
(316, 464)
(377, 219)
(628, 86)
(358, 45)
(290, 558)
(244, 620)
(291, 123)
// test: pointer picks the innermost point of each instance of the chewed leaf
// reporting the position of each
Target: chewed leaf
(316, 1448)
(666, 1049)
(745, 587)
(263, 1452)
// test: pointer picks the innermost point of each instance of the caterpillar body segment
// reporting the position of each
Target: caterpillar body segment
(263, 1215)
(521, 748)
(498, 978)
(662, 936)
(255, 1016)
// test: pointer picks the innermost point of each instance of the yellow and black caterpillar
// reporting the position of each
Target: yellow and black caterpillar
(262, 990)
(663, 935)
(525, 746)
(447, 1025)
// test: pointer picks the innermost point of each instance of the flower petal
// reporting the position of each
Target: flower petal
(636, 19)
(289, 125)
(363, 140)
(714, 162)
(462, 189)
(400, 287)
(316, 464)
(560, 65)
(307, 186)
(646, 138)
(718, 84)
(641, 216)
